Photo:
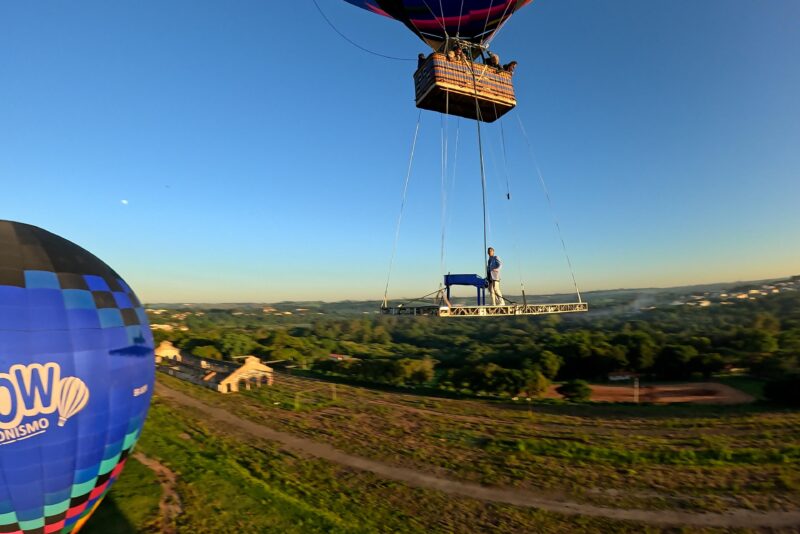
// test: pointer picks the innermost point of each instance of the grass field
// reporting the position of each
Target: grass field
(695, 458)
(131, 506)
(228, 484)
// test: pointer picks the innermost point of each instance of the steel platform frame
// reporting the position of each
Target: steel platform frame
(486, 311)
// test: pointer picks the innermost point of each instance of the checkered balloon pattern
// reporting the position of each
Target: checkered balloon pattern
(76, 377)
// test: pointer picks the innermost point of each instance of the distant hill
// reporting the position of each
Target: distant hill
(621, 299)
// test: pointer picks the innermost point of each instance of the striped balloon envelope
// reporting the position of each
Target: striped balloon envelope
(434, 21)
(76, 377)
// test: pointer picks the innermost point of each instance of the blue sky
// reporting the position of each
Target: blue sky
(261, 157)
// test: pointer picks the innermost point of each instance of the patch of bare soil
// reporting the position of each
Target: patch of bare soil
(691, 392)
(170, 504)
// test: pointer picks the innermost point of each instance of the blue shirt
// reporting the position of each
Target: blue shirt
(493, 268)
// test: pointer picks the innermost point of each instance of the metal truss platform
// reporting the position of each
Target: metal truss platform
(487, 311)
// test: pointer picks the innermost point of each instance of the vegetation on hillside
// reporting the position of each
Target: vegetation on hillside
(518, 356)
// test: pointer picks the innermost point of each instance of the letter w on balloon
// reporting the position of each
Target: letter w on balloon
(38, 389)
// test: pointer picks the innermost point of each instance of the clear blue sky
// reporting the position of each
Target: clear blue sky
(261, 157)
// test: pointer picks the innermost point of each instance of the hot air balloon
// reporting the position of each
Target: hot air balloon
(76, 377)
(461, 77)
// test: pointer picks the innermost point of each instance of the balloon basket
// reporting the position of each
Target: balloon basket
(464, 88)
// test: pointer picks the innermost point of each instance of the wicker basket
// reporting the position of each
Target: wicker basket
(454, 86)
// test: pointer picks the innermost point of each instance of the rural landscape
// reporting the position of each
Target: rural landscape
(412, 443)
(399, 266)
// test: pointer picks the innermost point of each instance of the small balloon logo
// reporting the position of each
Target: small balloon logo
(74, 396)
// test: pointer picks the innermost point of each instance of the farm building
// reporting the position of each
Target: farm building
(221, 376)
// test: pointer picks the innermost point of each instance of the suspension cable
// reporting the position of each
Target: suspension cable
(445, 156)
(460, 15)
(488, 12)
(511, 212)
(438, 18)
(455, 166)
(500, 27)
(346, 38)
(550, 205)
(480, 155)
(402, 207)
(483, 175)
(505, 155)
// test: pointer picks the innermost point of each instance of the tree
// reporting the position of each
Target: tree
(549, 364)
(752, 340)
(708, 364)
(575, 391)
(380, 335)
(790, 340)
(161, 335)
(640, 349)
(773, 366)
(208, 351)
(490, 378)
(674, 361)
(766, 322)
(284, 353)
(233, 344)
(417, 371)
(785, 389)
(536, 383)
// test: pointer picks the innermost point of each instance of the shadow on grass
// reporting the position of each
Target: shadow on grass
(108, 519)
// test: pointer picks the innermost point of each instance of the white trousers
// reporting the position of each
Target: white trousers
(494, 291)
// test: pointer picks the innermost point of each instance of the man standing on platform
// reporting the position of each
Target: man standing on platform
(493, 277)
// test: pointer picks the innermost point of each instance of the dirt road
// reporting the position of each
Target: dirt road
(690, 392)
(170, 503)
(734, 518)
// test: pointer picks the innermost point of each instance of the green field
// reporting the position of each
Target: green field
(131, 506)
(658, 458)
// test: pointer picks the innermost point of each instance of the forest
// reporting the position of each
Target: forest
(518, 356)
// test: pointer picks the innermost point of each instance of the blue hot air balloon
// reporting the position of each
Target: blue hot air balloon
(76, 377)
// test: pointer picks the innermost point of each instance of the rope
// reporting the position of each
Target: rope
(343, 36)
(402, 207)
(483, 178)
(505, 156)
(439, 18)
(488, 12)
(550, 205)
(460, 15)
(455, 165)
(503, 23)
(445, 155)
(422, 298)
(480, 154)
(512, 215)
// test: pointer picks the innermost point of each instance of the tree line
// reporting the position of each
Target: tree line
(523, 355)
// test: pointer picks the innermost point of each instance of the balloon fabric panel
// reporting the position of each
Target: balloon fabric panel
(434, 20)
(76, 377)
